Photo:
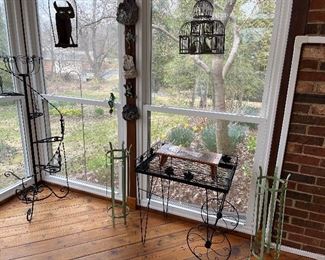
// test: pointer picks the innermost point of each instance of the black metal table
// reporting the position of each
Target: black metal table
(206, 240)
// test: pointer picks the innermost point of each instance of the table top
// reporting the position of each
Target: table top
(177, 169)
(189, 154)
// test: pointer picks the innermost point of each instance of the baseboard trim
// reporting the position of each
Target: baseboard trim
(132, 203)
(302, 253)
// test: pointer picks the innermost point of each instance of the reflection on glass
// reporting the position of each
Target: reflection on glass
(201, 135)
(11, 150)
(233, 82)
(96, 58)
(87, 139)
(7, 84)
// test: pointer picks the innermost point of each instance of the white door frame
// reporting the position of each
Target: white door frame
(299, 42)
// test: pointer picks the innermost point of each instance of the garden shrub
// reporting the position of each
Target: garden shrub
(75, 112)
(236, 133)
(181, 136)
(251, 143)
(208, 137)
(254, 111)
(99, 111)
(7, 152)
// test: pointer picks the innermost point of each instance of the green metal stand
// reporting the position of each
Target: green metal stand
(116, 157)
(270, 196)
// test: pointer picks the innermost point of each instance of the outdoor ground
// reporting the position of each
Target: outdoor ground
(89, 129)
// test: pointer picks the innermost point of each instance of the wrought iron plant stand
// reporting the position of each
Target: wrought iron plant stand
(119, 158)
(207, 240)
(23, 68)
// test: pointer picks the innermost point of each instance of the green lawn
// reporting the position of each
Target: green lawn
(88, 163)
(11, 151)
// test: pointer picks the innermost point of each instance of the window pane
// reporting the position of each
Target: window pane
(88, 131)
(7, 84)
(3, 29)
(233, 82)
(11, 149)
(95, 59)
(201, 135)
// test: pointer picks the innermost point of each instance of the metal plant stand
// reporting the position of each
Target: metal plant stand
(207, 240)
(118, 157)
(270, 197)
(22, 68)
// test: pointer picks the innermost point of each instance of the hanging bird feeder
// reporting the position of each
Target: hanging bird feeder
(202, 35)
(65, 33)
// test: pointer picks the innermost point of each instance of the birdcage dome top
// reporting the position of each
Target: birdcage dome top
(203, 9)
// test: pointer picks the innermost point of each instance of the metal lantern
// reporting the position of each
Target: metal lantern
(202, 35)
(66, 23)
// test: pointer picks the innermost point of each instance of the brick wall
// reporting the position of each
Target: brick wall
(304, 226)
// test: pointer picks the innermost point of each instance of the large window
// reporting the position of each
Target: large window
(12, 135)
(219, 103)
(79, 82)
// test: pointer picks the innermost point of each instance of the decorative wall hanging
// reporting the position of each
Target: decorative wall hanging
(129, 91)
(130, 113)
(66, 23)
(118, 157)
(130, 71)
(111, 103)
(129, 39)
(202, 35)
(127, 12)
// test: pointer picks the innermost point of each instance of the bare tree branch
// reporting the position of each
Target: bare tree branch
(228, 9)
(201, 63)
(97, 21)
(233, 52)
(196, 58)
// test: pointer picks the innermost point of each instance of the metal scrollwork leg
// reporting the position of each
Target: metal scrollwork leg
(229, 214)
(165, 199)
(207, 241)
(217, 246)
(30, 211)
(145, 215)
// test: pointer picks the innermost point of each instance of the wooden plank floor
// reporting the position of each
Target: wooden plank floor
(79, 227)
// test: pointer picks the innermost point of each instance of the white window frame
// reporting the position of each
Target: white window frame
(265, 121)
(19, 102)
(15, 43)
(298, 47)
(80, 185)
(30, 10)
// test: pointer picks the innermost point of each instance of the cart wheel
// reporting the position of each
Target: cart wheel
(206, 242)
(229, 213)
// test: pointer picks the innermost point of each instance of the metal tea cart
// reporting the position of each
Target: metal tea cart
(207, 240)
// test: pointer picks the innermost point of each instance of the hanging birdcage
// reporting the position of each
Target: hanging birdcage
(65, 31)
(202, 35)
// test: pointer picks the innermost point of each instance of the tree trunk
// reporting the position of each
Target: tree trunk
(220, 105)
(204, 96)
